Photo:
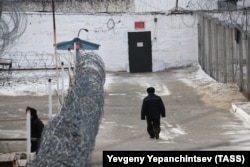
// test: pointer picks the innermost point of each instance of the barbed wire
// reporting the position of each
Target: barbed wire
(229, 14)
(34, 60)
(33, 66)
(69, 138)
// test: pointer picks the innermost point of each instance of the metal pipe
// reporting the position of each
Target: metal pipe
(62, 75)
(55, 47)
(28, 126)
(13, 139)
(75, 50)
(50, 100)
(81, 30)
(54, 31)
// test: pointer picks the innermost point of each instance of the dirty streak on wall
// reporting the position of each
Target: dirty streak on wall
(76, 6)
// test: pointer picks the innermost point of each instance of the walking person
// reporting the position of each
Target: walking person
(152, 110)
(36, 129)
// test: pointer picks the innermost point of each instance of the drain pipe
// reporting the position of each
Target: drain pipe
(28, 133)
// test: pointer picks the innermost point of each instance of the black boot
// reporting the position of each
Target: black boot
(157, 136)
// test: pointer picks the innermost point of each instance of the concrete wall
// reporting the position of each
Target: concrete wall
(224, 52)
(174, 37)
(92, 6)
(76, 6)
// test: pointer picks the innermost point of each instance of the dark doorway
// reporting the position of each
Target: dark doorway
(140, 51)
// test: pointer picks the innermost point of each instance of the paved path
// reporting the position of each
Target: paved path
(190, 123)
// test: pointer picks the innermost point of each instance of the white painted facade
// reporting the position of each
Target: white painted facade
(174, 37)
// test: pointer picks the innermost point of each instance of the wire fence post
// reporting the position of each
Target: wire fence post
(28, 129)
(50, 100)
(76, 52)
(62, 77)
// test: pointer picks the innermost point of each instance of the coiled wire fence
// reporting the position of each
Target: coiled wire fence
(68, 139)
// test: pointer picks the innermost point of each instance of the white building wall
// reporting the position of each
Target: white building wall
(244, 3)
(174, 38)
(166, 5)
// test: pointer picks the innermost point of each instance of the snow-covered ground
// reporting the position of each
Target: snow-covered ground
(23, 83)
(35, 83)
(221, 95)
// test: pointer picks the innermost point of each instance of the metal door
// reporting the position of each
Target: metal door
(140, 51)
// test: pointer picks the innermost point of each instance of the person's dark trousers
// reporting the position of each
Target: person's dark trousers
(35, 145)
(153, 128)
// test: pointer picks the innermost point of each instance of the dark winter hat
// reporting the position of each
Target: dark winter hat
(151, 90)
(33, 111)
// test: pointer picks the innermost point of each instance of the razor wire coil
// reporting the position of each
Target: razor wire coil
(69, 138)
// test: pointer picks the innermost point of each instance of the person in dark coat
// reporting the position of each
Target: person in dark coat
(36, 129)
(152, 109)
